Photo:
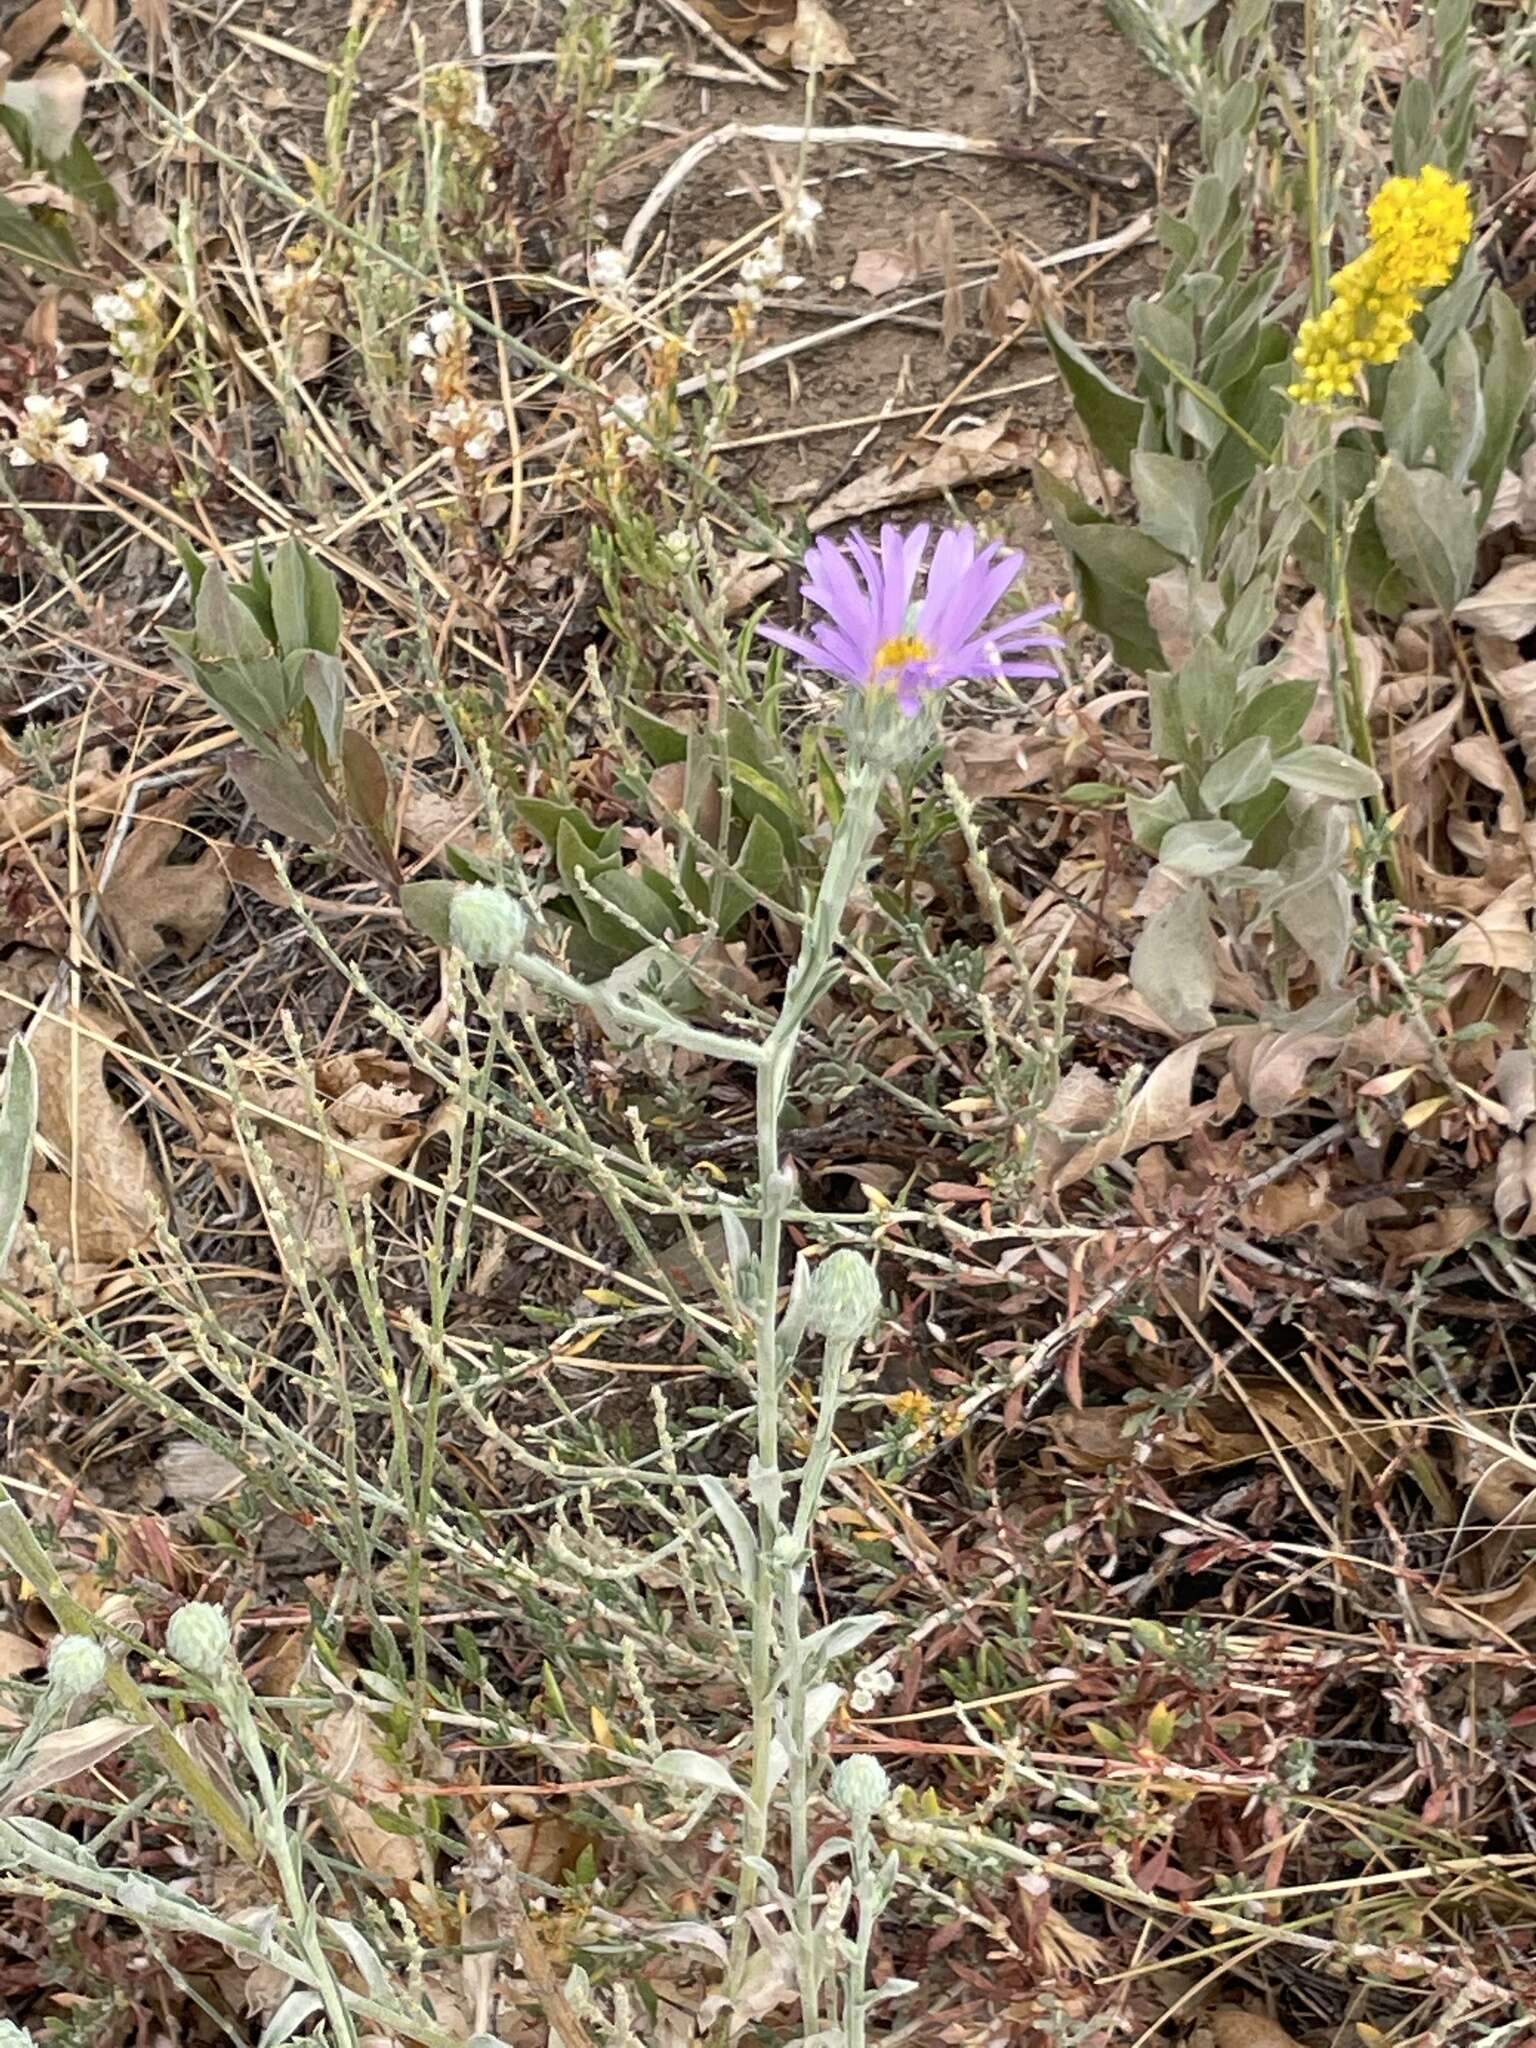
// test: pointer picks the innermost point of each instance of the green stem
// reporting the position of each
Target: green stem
(776, 1585)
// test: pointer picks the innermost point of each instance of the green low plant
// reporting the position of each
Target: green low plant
(265, 653)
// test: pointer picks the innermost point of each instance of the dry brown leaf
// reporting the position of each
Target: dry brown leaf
(1480, 1617)
(1161, 1110)
(878, 271)
(974, 455)
(812, 41)
(1514, 1186)
(195, 1476)
(93, 1191)
(374, 1122)
(1318, 1431)
(1515, 689)
(23, 808)
(989, 764)
(1500, 934)
(1299, 1202)
(35, 28)
(1094, 1439)
(739, 21)
(1479, 754)
(66, 1752)
(349, 1747)
(1272, 1067)
(1445, 1230)
(155, 907)
(1506, 604)
(1233, 2027)
(18, 1654)
(429, 823)
(1306, 657)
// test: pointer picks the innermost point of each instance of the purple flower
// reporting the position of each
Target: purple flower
(878, 634)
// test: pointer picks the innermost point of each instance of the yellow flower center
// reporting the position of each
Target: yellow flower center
(898, 652)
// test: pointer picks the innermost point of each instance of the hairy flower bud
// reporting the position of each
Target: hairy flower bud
(860, 1786)
(76, 1666)
(487, 925)
(844, 1296)
(198, 1637)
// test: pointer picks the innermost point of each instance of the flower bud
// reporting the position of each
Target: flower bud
(860, 1786)
(76, 1666)
(844, 1296)
(198, 1637)
(487, 925)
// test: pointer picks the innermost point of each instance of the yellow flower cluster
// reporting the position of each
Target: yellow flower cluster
(1419, 227)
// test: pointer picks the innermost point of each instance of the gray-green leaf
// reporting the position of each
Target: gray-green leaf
(1327, 771)
(18, 1128)
(1173, 968)
(1206, 846)
(1429, 527)
(1238, 775)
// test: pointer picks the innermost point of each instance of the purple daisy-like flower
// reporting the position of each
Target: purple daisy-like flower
(877, 634)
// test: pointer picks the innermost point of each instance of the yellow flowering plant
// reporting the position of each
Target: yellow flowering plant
(1419, 229)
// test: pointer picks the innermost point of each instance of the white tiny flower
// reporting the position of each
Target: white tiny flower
(478, 449)
(77, 433)
(18, 456)
(442, 321)
(495, 420)
(678, 544)
(421, 343)
(111, 309)
(91, 468)
(40, 407)
(763, 265)
(802, 214)
(608, 271)
(138, 288)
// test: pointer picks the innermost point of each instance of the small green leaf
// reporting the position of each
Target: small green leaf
(324, 681)
(1152, 817)
(764, 876)
(1429, 525)
(324, 604)
(1327, 771)
(1242, 772)
(192, 562)
(368, 789)
(545, 817)
(1114, 566)
(23, 235)
(1112, 416)
(1507, 376)
(18, 1128)
(1205, 846)
(1276, 712)
(286, 796)
(1173, 503)
(226, 629)
(664, 742)
(427, 907)
(290, 597)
